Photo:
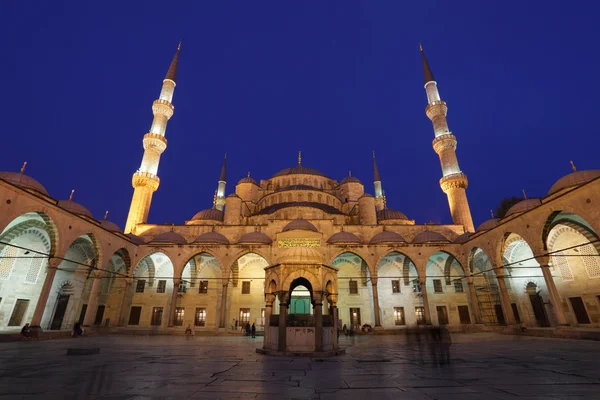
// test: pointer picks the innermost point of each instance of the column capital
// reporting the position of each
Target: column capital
(374, 281)
(332, 298)
(543, 260)
(269, 299)
(54, 262)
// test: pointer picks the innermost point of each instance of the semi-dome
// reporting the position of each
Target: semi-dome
(387, 237)
(74, 208)
(489, 224)
(429, 236)
(344, 237)
(110, 226)
(255, 237)
(350, 179)
(299, 169)
(463, 238)
(300, 225)
(301, 255)
(388, 213)
(135, 239)
(574, 179)
(23, 181)
(211, 237)
(248, 179)
(169, 237)
(522, 206)
(210, 214)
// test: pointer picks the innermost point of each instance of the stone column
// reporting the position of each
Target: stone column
(282, 320)
(425, 302)
(332, 298)
(223, 323)
(376, 302)
(318, 321)
(173, 304)
(92, 307)
(509, 317)
(474, 302)
(269, 299)
(53, 264)
(125, 302)
(554, 297)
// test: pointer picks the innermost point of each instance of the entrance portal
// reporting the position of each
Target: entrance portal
(61, 307)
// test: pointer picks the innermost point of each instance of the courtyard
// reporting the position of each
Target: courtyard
(484, 365)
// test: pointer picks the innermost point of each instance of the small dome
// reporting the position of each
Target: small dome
(300, 225)
(573, 179)
(343, 237)
(429, 236)
(23, 181)
(74, 208)
(110, 226)
(211, 237)
(299, 169)
(255, 237)
(247, 180)
(489, 224)
(135, 239)
(522, 206)
(210, 214)
(387, 237)
(301, 255)
(388, 213)
(463, 238)
(169, 237)
(350, 179)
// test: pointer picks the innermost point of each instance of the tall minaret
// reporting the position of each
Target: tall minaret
(454, 182)
(220, 196)
(145, 181)
(379, 197)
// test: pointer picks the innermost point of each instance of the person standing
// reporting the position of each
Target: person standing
(26, 331)
(253, 330)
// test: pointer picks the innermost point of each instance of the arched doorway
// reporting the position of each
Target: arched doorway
(201, 288)
(398, 289)
(447, 290)
(486, 288)
(246, 296)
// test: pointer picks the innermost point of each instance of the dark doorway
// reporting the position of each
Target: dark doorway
(538, 310)
(99, 315)
(579, 309)
(442, 313)
(463, 314)
(515, 311)
(134, 315)
(499, 314)
(59, 313)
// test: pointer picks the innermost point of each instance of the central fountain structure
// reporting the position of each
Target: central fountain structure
(301, 332)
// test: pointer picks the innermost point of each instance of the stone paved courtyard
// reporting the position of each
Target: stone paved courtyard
(485, 366)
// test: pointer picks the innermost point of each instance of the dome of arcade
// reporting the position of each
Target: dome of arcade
(135, 239)
(350, 179)
(110, 226)
(210, 214)
(255, 237)
(169, 237)
(489, 224)
(300, 225)
(74, 208)
(522, 206)
(299, 170)
(463, 238)
(211, 237)
(388, 213)
(344, 237)
(301, 255)
(574, 179)
(428, 237)
(387, 237)
(248, 179)
(23, 181)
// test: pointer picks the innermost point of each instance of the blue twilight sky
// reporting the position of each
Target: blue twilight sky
(261, 80)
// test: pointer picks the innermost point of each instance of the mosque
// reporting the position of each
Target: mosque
(298, 249)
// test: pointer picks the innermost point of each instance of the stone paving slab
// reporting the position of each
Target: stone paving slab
(484, 366)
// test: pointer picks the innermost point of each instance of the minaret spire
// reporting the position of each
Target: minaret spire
(145, 181)
(219, 200)
(379, 196)
(454, 182)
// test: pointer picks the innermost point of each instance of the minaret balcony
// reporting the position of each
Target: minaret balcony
(145, 179)
(436, 108)
(443, 142)
(454, 181)
(155, 142)
(163, 107)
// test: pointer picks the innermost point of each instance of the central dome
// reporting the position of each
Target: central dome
(299, 169)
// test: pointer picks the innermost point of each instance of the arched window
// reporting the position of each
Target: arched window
(310, 197)
(290, 197)
(299, 196)
(319, 198)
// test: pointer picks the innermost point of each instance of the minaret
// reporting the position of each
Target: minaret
(145, 181)
(379, 197)
(454, 183)
(220, 196)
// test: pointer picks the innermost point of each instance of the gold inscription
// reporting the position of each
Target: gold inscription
(299, 242)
